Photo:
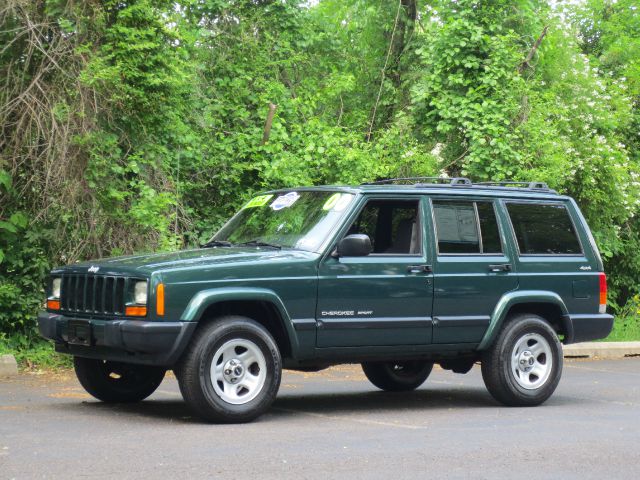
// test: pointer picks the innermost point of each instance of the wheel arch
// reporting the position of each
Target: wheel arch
(548, 305)
(262, 305)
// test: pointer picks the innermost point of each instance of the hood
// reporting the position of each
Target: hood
(190, 259)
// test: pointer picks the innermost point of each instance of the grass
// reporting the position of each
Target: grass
(625, 330)
(34, 354)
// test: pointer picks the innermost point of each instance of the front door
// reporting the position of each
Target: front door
(473, 269)
(386, 297)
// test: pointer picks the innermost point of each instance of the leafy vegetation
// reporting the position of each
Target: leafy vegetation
(136, 125)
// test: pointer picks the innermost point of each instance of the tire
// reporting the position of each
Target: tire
(231, 370)
(524, 365)
(397, 376)
(116, 382)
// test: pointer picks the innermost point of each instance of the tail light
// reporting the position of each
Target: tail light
(603, 293)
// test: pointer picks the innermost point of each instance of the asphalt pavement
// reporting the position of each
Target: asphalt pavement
(331, 424)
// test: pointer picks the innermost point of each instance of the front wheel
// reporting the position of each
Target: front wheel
(524, 365)
(117, 382)
(231, 371)
(397, 376)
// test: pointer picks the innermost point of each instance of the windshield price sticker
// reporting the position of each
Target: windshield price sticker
(285, 201)
(337, 202)
(259, 201)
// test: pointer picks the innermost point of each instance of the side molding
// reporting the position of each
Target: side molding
(205, 298)
(510, 299)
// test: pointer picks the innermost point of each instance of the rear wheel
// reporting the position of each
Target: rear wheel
(117, 382)
(397, 376)
(524, 365)
(231, 371)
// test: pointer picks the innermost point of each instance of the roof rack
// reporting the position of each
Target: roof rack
(530, 185)
(459, 181)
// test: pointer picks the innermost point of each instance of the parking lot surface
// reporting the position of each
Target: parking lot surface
(331, 424)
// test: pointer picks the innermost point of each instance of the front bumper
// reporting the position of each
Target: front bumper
(582, 328)
(133, 341)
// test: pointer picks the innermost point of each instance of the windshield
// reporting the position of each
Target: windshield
(300, 220)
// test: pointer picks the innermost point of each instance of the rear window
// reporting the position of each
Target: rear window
(543, 229)
(458, 230)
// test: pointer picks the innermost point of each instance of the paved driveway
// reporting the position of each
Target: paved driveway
(332, 424)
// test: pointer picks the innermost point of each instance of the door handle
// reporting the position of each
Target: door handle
(502, 267)
(419, 268)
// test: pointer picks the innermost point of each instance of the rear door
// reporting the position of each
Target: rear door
(384, 298)
(474, 267)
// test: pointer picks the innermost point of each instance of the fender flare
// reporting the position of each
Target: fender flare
(511, 299)
(205, 298)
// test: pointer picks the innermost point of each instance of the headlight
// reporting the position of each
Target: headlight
(140, 293)
(55, 287)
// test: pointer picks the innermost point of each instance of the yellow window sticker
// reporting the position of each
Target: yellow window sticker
(337, 202)
(331, 201)
(345, 199)
(259, 201)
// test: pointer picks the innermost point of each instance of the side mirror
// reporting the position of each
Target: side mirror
(356, 245)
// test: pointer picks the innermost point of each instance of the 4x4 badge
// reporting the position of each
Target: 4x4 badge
(585, 267)
(93, 269)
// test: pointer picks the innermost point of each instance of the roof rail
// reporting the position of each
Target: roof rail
(455, 181)
(530, 185)
(460, 182)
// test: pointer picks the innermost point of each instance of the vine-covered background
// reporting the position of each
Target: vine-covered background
(138, 125)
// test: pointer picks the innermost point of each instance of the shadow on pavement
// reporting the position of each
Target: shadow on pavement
(170, 410)
(288, 405)
(338, 403)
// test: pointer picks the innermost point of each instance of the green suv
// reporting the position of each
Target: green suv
(396, 275)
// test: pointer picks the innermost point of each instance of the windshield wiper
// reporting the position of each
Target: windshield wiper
(216, 243)
(260, 243)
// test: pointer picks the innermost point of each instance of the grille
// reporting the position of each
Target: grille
(93, 294)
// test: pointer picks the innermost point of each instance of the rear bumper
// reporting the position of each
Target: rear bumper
(582, 328)
(133, 341)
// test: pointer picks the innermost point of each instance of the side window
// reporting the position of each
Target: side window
(393, 226)
(543, 229)
(458, 230)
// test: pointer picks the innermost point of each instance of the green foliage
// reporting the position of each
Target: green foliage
(140, 125)
(625, 330)
(609, 37)
(23, 269)
(33, 353)
(469, 91)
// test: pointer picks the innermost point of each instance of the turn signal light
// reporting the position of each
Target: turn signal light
(603, 293)
(135, 311)
(53, 304)
(160, 299)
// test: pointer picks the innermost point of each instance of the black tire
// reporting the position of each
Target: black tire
(257, 372)
(397, 376)
(524, 365)
(116, 382)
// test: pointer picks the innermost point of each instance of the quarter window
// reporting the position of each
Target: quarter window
(543, 229)
(458, 229)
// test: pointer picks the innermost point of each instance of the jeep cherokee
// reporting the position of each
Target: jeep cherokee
(397, 275)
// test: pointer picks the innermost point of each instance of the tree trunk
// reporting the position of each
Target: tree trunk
(401, 35)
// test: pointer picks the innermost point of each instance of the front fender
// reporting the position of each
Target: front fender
(510, 299)
(205, 298)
